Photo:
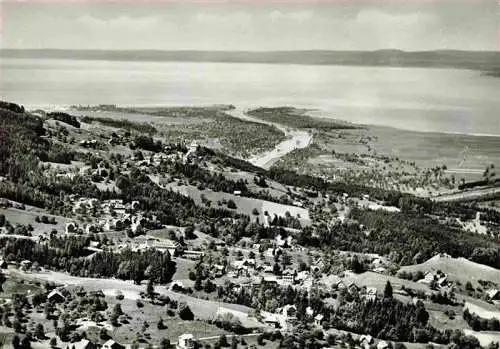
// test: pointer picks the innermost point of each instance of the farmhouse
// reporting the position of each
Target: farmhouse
(493, 295)
(289, 312)
(185, 341)
(56, 297)
(317, 319)
(370, 294)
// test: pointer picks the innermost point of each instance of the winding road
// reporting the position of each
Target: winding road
(295, 139)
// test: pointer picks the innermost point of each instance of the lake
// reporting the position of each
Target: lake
(443, 100)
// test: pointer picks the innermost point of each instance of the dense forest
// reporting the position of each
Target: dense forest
(405, 237)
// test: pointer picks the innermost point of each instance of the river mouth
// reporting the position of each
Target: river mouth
(295, 139)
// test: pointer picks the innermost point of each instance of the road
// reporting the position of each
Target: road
(295, 139)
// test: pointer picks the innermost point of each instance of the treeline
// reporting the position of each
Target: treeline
(228, 161)
(296, 118)
(121, 123)
(147, 143)
(13, 107)
(478, 323)
(387, 318)
(65, 255)
(64, 117)
(170, 207)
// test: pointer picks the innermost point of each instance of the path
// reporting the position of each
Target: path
(295, 139)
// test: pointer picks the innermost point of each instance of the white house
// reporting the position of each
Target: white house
(185, 341)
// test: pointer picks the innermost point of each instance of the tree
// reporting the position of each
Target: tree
(223, 340)
(161, 325)
(185, 312)
(234, 343)
(150, 289)
(39, 331)
(165, 343)
(189, 233)
(16, 342)
(388, 290)
(25, 343)
(2, 280)
(53, 342)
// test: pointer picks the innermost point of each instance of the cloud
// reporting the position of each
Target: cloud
(297, 16)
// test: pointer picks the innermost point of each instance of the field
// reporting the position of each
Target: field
(202, 309)
(151, 314)
(371, 279)
(209, 126)
(484, 337)
(28, 216)
(244, 205)
(457, 269)
(480, 310)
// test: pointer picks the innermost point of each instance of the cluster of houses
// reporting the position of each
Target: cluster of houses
(114, 215)
(286, 317)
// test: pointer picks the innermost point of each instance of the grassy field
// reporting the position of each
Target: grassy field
(371, 279)
(481, 309)
(151, 314)
(244, 205)
(457, 269)
(202, 309)
(25, 217)
(15, 285)
(484, 337)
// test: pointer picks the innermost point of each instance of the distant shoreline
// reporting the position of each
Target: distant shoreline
(68, 108)
(485, 61)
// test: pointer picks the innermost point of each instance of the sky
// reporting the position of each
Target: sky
(252, 25)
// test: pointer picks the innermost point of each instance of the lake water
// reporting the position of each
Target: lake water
(444, 100)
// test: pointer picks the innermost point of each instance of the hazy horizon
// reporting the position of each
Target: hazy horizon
(359, 25)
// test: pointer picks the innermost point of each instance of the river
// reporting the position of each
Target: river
(295, 139)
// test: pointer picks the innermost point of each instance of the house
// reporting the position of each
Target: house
(237, 192)
(56, 297)
(83, 344)
(340, 285)
(382, 345)
(290, 312)
(493, 295)
(309, 312)
(26, 264)
(353, 288)
(111, 344)
(317, 319)
(271, 319)
(428, 278)
(365, 341)
(219, 270)
(270, 279)
(370, 294)
(288, 277)
(442, 281)
(185, 341)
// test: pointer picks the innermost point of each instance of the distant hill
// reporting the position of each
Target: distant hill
(478, 60)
